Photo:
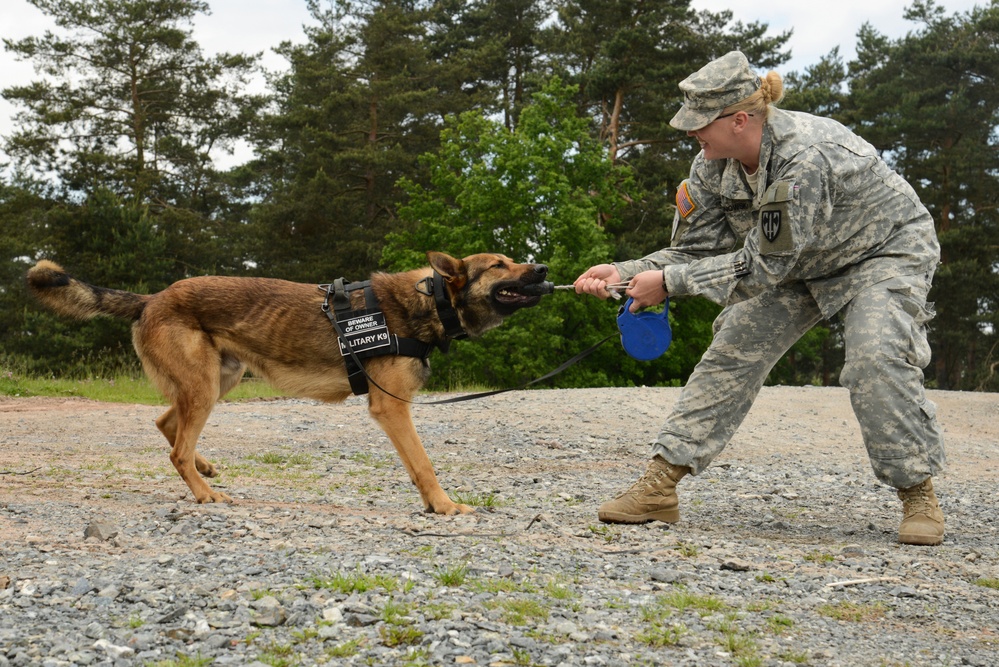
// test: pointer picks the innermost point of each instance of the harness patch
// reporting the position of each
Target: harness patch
(364, 333)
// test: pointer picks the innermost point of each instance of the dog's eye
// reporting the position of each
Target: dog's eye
(498, 265)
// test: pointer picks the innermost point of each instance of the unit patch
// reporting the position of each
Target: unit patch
(770, 224)
(776, 233)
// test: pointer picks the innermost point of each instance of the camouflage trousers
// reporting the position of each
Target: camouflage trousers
(886, 350)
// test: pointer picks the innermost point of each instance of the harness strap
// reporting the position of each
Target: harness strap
(445, 311)
(339, 290)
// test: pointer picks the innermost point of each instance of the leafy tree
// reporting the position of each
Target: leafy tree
(533, 193)
(820, 90)
(129, 105)
(103, 241)
(128, 100)
(488, 54)
(354, 111)
(930, 101)
(24, 205)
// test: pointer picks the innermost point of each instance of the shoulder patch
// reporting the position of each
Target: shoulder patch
(685, 204)
(776, 233)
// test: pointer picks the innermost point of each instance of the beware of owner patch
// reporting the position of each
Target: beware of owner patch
(364, 332)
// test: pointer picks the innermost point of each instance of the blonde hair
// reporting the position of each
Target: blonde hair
(771, 91)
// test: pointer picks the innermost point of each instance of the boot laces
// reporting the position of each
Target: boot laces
(650, 480)
(916, 501)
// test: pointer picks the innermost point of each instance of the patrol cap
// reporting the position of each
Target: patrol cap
(711, 89)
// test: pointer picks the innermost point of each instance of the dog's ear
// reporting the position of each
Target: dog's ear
(453, 270)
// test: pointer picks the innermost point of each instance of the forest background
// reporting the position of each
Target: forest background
(536, 128)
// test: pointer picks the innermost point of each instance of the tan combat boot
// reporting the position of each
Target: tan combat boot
(923, 520)
(651, 498)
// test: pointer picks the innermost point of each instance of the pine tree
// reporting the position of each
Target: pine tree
(930, 102)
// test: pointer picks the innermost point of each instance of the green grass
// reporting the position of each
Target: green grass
(451, 575)
(354, 582)
(120, 389)
(476, 499)
(853, 611)
(182, 661)
(522, 611)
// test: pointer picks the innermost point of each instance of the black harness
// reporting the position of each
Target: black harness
(363, 333)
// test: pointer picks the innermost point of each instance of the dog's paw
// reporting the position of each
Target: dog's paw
(450, 509)
(214, 497)
(207, 469)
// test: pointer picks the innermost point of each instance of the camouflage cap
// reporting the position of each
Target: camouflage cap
(711, 89)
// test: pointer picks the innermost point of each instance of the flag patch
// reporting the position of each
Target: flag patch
(684, 202)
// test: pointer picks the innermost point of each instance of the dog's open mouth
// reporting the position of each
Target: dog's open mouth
(511, 295)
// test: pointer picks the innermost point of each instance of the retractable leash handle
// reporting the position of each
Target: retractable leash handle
(647, 335)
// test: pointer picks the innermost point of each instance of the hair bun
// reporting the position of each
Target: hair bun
(772, 87)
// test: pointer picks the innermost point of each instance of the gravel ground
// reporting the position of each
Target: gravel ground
(786, 553)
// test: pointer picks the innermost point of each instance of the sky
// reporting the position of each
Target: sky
(256, 26)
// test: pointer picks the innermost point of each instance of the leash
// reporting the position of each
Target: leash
(566, 364)
(458, 399)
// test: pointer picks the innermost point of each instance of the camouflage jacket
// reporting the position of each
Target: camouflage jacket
(831, 214)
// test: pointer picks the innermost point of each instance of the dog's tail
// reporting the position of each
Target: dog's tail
(68, 296)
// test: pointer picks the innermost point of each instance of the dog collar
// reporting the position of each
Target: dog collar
(433, 286)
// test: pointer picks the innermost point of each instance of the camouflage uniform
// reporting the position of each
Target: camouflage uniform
(831, 229)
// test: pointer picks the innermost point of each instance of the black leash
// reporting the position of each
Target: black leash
(571, 362)
(458, 399)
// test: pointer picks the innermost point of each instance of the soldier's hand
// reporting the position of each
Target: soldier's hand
(595, 280)
(646, 289)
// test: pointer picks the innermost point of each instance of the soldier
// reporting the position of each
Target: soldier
(787, 219)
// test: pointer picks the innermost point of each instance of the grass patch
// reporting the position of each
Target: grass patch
(354, 582)
(797, 657)
(183, 661)
(853, 612)
(741, 646)
(345, 650)
(278, 655)
(475, 499)
(684, 601)
(661, 634)
(117, 389)
(523, 612)
(819, 557)
(279, 459)
(451, 575)
(687, 550)
(987, 583)
(558, 590)
(660, 631)
(778, 624)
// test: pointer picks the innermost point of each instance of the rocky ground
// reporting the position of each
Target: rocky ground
(786, 553)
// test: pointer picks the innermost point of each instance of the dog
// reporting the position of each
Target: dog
(197, 337)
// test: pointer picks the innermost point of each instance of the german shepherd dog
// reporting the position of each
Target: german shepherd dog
(197, 337)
